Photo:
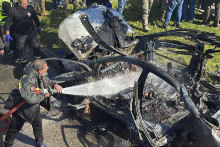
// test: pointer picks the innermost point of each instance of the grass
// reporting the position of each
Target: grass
(133, 15)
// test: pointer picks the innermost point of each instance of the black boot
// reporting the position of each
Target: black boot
(41, 144)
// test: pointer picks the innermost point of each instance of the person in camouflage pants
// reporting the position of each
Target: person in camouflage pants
(164, 5)
(42, 7)
(147, 5)
(75, 5)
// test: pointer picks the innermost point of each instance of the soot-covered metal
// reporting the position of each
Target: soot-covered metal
(171, 103)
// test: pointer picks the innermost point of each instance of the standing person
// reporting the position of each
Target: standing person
(5, 5)
(164, 5)
(208, 4)
(56, 4)
(191, 4)
(121, 6)
(41, 7)
(22, 16)
(75, 5)
(147, 5)
(171, 6)
(33, 3)
(35, 78)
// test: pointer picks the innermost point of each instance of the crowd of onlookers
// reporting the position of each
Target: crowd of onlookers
(184, 9)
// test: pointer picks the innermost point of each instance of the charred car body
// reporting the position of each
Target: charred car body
(169, 101)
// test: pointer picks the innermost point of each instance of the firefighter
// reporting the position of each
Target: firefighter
(5, 5)
(22, 15)
(34, 89)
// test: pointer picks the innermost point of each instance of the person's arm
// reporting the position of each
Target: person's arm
(55, 86)
(8, 21)
(58, 88)
(1, 47)
(35, 18)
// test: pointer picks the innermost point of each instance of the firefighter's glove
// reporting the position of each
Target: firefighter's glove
(39, 29)
(45, 91)
(109, 5)
(8, 38)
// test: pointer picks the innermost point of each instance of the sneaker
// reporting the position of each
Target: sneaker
(214, 25)
(41, 144)
(176, 25)
(21, 60)
(164, 26)
(146, 29)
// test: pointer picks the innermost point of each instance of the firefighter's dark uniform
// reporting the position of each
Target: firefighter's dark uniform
(24, 29)
(5, 5)
(30, 111)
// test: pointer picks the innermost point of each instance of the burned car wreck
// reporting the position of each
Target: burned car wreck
(162, 100)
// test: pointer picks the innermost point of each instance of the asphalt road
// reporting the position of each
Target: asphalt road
(62, 126)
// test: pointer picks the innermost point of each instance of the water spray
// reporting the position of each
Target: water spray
(104, 87)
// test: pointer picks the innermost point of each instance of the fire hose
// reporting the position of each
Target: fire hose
(5, 116)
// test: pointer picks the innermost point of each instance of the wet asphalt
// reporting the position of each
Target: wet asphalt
(62, 126)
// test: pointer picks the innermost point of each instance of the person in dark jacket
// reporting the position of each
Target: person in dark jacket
(22, 15)
(5, 5)
(34, 88)
(208, 4)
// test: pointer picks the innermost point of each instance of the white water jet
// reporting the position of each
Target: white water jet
(104, 87)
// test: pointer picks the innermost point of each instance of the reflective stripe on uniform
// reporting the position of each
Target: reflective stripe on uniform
(3, 15)
(19, 85)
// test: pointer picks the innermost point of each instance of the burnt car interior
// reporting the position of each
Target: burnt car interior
(169, 100)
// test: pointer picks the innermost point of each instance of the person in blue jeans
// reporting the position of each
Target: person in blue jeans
(121, 6)
(171, 6)
(191, 4)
